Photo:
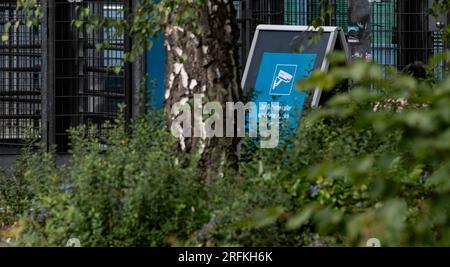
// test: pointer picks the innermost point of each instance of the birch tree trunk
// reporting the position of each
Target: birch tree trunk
(202, 58)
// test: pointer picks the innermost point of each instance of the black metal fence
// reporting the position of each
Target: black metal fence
(88, 90)
(402, 31)
(20, 79)
(86, 87)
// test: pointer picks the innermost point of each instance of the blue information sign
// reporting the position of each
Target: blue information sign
(276, 80)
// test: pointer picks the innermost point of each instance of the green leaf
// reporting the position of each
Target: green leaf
(300, 218)
(117, 69)
(266, 217)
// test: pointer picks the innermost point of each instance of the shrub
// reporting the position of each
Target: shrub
(367, 164)
(124, 190)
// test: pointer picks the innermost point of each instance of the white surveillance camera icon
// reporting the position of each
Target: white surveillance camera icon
(282, 77)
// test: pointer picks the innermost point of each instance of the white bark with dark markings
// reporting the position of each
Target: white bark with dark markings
(205, 64)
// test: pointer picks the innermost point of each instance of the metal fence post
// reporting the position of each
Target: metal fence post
(48, 73)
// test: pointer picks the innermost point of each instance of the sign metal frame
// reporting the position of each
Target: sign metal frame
(336, 34)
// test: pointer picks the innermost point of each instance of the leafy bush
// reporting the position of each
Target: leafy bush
(124, 190)
(24, 181)
(370, 163)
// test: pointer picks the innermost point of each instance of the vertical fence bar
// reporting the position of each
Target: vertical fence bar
(48, 73)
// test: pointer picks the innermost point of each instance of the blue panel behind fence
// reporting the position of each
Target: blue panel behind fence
(156, 62)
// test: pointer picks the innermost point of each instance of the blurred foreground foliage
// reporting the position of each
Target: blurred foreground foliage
(374, 161)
